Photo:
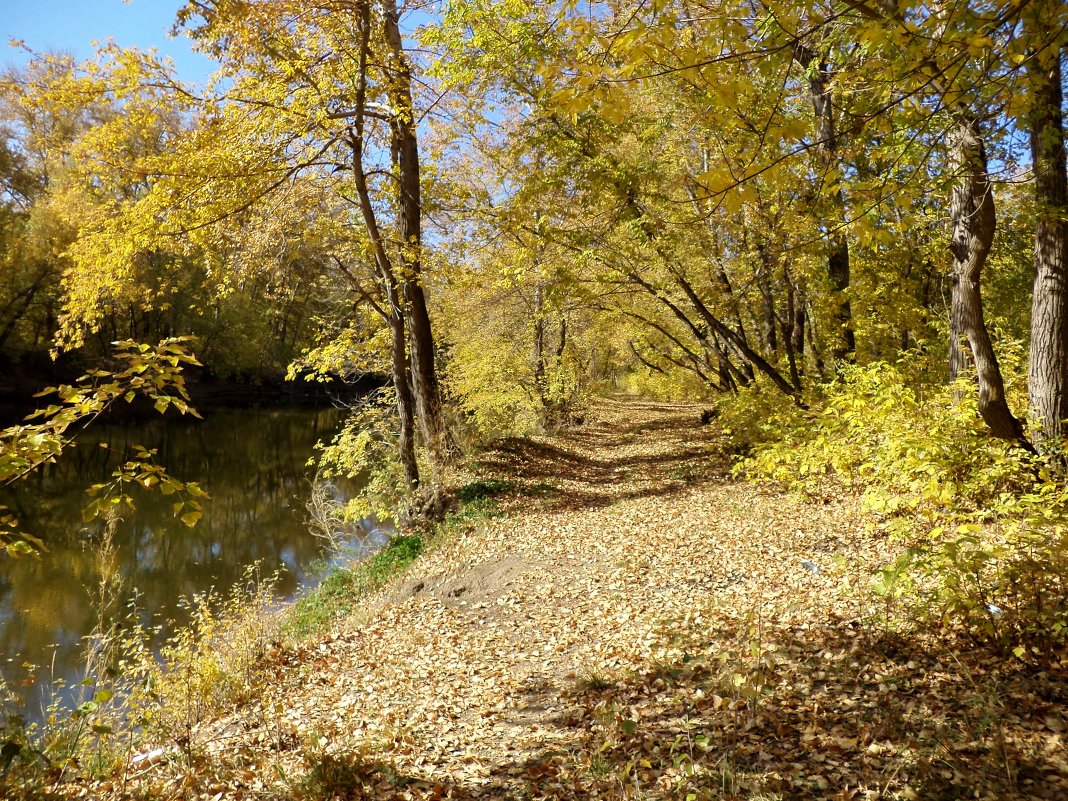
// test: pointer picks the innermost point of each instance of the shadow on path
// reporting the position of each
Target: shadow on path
(645, 453)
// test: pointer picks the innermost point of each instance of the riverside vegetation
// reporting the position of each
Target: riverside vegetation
(564, 235)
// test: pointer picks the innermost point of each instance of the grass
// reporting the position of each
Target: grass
(343, 775)
(341, 592)
(481, 490)
(594, 682)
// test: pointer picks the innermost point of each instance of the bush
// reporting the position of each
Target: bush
(142, 695)
(985, 521)
(366, 450)
(756, 415)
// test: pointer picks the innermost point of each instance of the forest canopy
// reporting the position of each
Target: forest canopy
(505, 207)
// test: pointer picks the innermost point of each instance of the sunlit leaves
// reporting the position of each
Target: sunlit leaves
(151, 372)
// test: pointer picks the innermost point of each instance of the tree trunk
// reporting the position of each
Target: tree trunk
(819, 81)
(973, 220)
(1047, 377)
(403, 390)
(767, 304)
(789, 337)
(541, 382)
(405, 148)
(399, 366)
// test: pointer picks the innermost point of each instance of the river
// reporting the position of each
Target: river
(252, 462)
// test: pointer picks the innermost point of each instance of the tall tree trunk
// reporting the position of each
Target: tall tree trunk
(394, 312)
(541, 383)
(789, 335)
(405, 148)
(767, 303)
(1047, 377)
(973, 219)
(800, 318)
(819, 82)
(399, 366)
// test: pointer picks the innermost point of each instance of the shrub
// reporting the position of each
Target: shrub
(985, 521)
(756, 415)
(141, 695)
(366, 450)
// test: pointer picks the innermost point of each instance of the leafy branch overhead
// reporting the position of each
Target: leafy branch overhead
(143, 371)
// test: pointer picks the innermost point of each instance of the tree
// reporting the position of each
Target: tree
(1043, 30)
(332, 96)
(300, 121)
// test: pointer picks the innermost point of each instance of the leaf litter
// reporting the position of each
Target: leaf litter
(637, 624)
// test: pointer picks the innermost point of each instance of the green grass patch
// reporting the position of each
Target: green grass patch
(477, 502)
(483, 489)
(340, 592)
(539, 488)
(344, 775)
(467, 515)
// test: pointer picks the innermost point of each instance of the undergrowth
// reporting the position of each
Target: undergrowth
(984, 522)
(341, 591)
(146, 692)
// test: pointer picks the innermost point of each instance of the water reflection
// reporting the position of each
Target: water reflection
(251, 462)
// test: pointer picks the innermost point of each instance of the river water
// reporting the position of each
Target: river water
(252, 462)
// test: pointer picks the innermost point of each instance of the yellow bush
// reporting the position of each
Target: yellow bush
(985, 520)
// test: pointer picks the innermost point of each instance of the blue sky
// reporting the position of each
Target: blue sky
(72, 25)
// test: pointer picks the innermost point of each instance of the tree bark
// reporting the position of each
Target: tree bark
(405, 147)
(767, 304)
(973, 220)
(1047, 376)
(399, 366)
(405, 405)
(541, 370)
(819, 82)
(789, 334)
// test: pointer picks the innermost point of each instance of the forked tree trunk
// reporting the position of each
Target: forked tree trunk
(973, 220)
(1047, 377)
(399, 367)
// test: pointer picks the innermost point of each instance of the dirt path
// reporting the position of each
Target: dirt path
(636, 622)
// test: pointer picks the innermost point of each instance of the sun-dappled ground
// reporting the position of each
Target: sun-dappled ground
(635, 623)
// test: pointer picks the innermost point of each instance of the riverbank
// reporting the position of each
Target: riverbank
(629, 621)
